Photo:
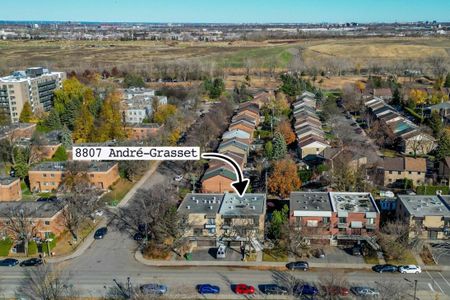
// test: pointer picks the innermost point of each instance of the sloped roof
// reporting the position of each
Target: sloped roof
(223, 171)
(234, 142)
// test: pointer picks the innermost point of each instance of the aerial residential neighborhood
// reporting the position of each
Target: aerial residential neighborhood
(260, 150)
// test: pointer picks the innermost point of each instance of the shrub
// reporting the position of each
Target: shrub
(51, 244)
(5, 246)
(32, 248)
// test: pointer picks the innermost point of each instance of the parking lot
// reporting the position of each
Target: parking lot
(338, 255)
(441, 253)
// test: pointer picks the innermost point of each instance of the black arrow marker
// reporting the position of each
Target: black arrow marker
(241, 185)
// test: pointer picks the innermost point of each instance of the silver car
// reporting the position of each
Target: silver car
(153, 289)
(364, 291)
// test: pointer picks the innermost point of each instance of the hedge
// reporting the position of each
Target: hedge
(431, 189)
(32, 248)
(52, 244)
(5, 246)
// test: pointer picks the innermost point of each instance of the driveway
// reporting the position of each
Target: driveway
(337, 255)
(209, 254)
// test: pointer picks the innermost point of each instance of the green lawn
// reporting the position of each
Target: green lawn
(388, 153)
(371, 259)
(118, 191)
(431, 189)
(275, 255)
(408, 259)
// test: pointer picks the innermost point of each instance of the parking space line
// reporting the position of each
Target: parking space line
(431, 287)
(434, 281)
(446, 281)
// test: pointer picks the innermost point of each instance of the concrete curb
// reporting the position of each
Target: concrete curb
(255, 264)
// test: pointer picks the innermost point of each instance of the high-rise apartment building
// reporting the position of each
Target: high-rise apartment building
(34, 85)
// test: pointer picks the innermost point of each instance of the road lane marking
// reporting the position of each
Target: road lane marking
(431, 287)
(446, 281)
(434, 281)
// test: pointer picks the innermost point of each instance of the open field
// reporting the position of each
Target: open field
(78, 55)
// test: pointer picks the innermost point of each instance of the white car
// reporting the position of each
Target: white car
(178, 178)
(98, 213)
(411, 269)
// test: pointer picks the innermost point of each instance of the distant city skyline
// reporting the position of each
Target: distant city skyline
(230, 11)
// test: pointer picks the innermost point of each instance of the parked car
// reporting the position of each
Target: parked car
(336, 290)
(153, 289)
(221, 251)
(8, 262)
(319, 253)
(411, 269)
(138, 236)
(364, 291)
(244, 289)
(208, 289)
(385, 268)
(298, 265)
(273, 289)
(31, 262)
(100, 233)
(357, 250)
(305, 289)
(178, 178)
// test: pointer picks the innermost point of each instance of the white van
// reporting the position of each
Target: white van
(221, 251)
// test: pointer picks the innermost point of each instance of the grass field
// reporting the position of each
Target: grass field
(78, 55)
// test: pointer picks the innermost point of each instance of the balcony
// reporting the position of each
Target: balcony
(210, 226)
(342, 225)
(370, 226)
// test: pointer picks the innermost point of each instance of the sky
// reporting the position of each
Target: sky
(227, 11)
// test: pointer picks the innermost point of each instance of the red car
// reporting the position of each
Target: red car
(244, 289)
(336, 291)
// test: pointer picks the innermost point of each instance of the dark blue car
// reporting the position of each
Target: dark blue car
(100, 233)
(305, 289)
(208, 289)
(8, 262)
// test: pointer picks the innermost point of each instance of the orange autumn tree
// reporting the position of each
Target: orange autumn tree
(286, 131)
(284, 178)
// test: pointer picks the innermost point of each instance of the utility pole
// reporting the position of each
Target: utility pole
(415, 288)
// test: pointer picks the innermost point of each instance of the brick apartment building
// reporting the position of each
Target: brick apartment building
(46, 217)
(10, 188)
(335, 217)
(47, 176)
(139, 132)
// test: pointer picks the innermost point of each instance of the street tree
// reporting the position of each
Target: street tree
(286, 131)
(330, 282)
(46, 282)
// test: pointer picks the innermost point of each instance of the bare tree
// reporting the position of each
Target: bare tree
(22, 225)
(393, 289)
(47, 283)
(296, 239)
(153, 213)
(331, 283)
(288, 281)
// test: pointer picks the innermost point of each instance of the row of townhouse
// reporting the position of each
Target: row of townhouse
(411, 140)
(308, 127)
(236, 144)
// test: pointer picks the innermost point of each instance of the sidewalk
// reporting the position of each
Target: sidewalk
(260, 264)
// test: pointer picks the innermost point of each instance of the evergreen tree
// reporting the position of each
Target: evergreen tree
(60, 154)
(268, 149)
(396, 96)
(279, 146)
(279, 218)
(53, 122)
(21, 166)
(436, 123)
(447, 81)
(443, 148)
(66, 137)
(27, 113)
(70, 113)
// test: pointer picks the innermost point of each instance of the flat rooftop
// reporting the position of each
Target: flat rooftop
(33, 209)
(310, 203)
(353, 202)
(201, 203)
(421, 205)
(250, 204)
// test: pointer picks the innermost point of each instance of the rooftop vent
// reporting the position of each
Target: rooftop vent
(188, 207)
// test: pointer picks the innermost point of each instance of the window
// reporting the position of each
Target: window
(47, 223)
(390, 180)
(409, 172)
(44, 175)
(342, 230)
(326, 220)
(342, 220)
(390, 172)
(212, 231)
(317, 149)
(370, 221)
(418, 173)
(52, 175)
(419, 222)
(399, 173)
